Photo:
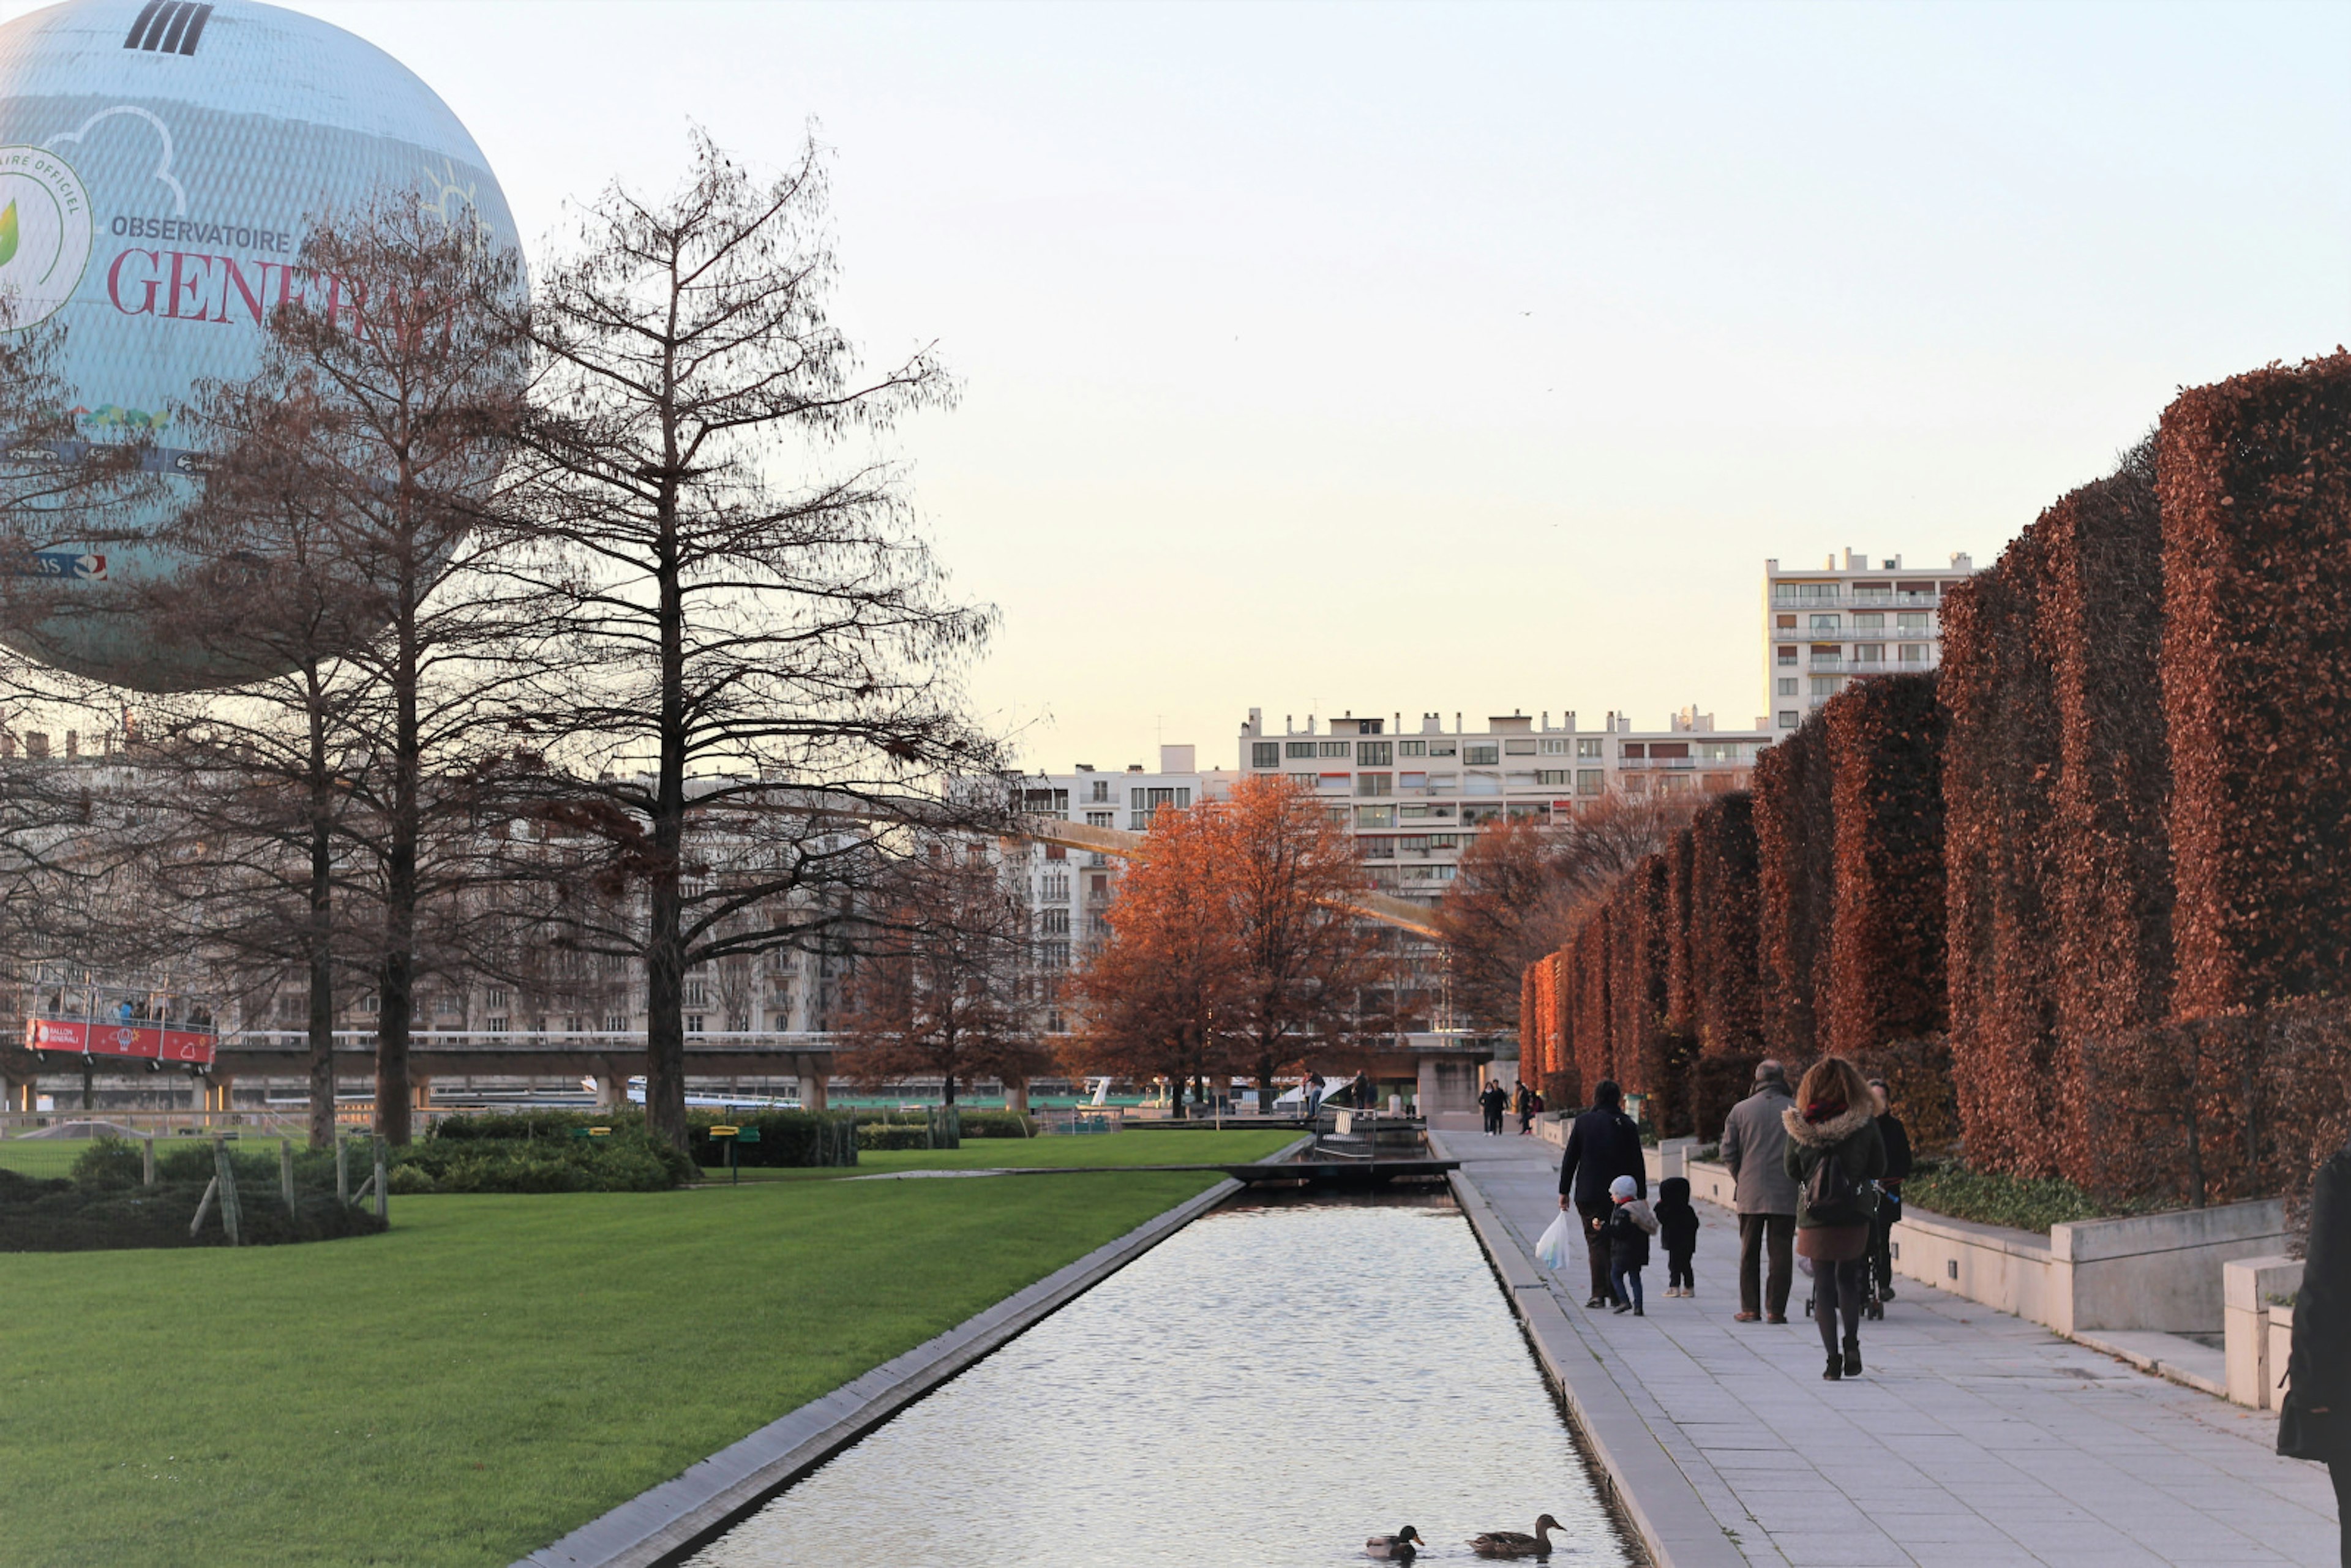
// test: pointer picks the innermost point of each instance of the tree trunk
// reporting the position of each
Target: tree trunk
(322, 935)
(664, 940)
(950, 1089)
(398, 988)
(1265, 1083)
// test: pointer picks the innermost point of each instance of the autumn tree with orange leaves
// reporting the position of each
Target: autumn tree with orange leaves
(1232, 948)
(1157, 999)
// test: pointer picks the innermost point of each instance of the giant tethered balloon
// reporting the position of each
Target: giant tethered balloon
(159, 162)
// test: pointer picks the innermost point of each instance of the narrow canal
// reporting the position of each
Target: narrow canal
(1284, 1377)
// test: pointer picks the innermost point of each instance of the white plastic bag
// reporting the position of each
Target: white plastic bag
(1551, 1251)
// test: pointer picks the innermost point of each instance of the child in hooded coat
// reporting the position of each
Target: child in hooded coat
(1677, 1228)
(1629, 1227)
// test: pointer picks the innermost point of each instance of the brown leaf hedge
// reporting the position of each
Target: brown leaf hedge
(2084, 898)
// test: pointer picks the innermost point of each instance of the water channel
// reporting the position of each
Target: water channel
(1285, 1376)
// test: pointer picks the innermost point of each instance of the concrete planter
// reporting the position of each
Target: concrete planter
(2280, 1331)
(2254, 1364)
(2156, 1271)
(1670, 1158)
(1709, 1181)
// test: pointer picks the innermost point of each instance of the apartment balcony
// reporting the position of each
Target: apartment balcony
(1825, 661)
(1913, 633)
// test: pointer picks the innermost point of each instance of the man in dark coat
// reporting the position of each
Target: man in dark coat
(1603, 1145)
(1754, 1145)
(1896, 1139)
(2315, 1420)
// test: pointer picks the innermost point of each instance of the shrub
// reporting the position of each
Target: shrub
(625, 1161)
(1794, 838)
(884, 1136)
(1724, 890)
(1991, 1198)
(66, 1217)
(109, 1162)
(998, 1124)
(1886, 938)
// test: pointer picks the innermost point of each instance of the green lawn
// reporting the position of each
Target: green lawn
(494, 1371)
(1211, 1147)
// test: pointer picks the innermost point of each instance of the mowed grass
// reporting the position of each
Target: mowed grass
(1151, 1148)
(494, 1372)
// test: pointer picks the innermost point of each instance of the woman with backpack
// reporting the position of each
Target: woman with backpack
(1834, 1153)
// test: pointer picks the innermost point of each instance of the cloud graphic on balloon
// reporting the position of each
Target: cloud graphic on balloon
(163, 163)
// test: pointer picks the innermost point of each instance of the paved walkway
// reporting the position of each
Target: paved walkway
(1975, 1439)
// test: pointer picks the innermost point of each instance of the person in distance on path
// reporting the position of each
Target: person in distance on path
(1889, 1203)
(1603, 1145)
(1630, 1225)
(2315, 1421)
(1834, 1154)
(1492, 1103)
(1754, 1145)
(1677, 1228)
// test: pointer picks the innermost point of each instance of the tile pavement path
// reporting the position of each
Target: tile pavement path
(1974, 1438)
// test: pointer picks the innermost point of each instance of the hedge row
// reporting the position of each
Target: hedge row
(2086, 899)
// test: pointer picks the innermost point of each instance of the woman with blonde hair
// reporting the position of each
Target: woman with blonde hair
(1835, 1154)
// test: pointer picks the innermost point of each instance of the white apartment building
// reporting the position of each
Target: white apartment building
(1415, 800)
(1824, 627)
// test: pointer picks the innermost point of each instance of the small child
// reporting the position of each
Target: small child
(1630, 1225)
(1677, 1228)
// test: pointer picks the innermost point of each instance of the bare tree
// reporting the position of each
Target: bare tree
(774, 660)
(944, 985)
(368, 449)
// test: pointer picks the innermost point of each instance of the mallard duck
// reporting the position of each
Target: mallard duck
(1399, 1546)
(1511, 1543)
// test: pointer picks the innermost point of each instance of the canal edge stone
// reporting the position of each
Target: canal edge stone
(1676, 1530)
(664, 1524)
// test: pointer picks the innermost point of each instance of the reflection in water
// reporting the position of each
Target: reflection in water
(1279, 1380)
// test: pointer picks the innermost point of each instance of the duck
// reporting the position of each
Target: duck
(1401, 1546)
(1513, 1543)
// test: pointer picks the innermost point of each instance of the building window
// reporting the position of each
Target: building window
(1787, 654)
(1825, 626)
(1374, 754)
(1720, 750)
(1374, 784)
(1914, 653)
(1554, 779)
(1519, 748)
(1787, 720)
(1869, 622)
(1827, 685)
(1101, 819)
(1784, 686)
(1411, 781)
(1483, 784)
(1588, 748)
(1443, 748)
(1056, 922)
(1827, 656)
(1481, 754)
(1554, 748)
(1265, 754)
(1057, 851)
(495, 996)
(1910, 622)
(1869, 653)
(1590, 781)
(1056, 888)
(1334, 748)
(1299, 748)
(1804, 593)
(1375, 816)
(698, 994)
(614, 1023)
(1097, 925)
(1375, 849)
(1787, 621)
(1300, 780)
(1045, 802)
(1412, 749)
(498, 1023)
(694, 1023)
(1331, 781)
(1101, 791)
(1055, 954)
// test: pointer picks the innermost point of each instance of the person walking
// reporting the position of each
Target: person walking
(1754, 1145)
(2315, 1422)
(1677, 1225)
(1491, 1101)
(1834, 1154)
(1630, 1225)
(1890, 1202)
(1529, 1109)
(1603, 1145)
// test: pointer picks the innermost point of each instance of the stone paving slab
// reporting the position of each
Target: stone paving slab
(1973, 1438)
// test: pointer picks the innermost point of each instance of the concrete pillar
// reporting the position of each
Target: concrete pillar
(813, 1073)
(611, 1087)
(420, 1091)
(216, 1091)
(2246, 1286)
(1447, 1086)
(1016, 1096)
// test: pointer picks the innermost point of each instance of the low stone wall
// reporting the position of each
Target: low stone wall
(2281, 1329)
(2153, 1272)
(2256, 1359)
(1710, 1182)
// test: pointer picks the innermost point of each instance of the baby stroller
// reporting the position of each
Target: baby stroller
(1873, 1302)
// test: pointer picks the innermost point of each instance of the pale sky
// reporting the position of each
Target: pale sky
(1472, 357)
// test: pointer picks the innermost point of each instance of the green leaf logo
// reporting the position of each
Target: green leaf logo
(8, 234)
